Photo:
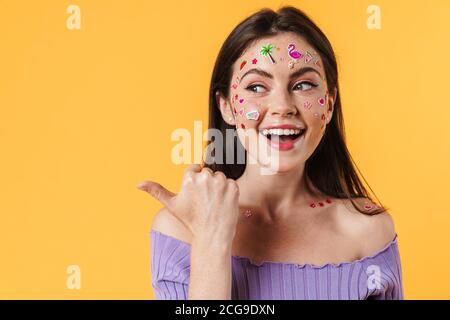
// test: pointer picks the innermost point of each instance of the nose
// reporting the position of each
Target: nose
(282, 106)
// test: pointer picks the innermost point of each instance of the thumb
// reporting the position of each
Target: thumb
(157, 191)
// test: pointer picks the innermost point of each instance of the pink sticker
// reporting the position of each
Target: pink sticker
(241, 100)
(294, 54)
(234, 85)
(241, 112)
(253, 115)
(321, 101)
(367, 206)
(307, 105)
(254, 61)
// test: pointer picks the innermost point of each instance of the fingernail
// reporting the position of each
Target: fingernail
(141, 185)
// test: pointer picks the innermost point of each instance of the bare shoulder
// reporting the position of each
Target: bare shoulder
(165, 222)
(372, 232)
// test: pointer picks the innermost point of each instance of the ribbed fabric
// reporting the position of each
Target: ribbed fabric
(374, 277)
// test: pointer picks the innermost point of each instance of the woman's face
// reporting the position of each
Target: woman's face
(279, 82)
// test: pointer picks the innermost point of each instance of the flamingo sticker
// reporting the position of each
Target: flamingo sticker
(294, 54)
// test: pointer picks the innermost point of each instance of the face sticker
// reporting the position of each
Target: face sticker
(242, 126)
(307, 105)
(321, 101)
(241, 101)
(234, 86)
(267, 51)
(252, 115)
(308, 57)
(241, 112)
(254, 61)
(243, 64)
(294, 54)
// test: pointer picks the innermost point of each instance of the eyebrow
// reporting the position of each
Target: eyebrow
(295, 74)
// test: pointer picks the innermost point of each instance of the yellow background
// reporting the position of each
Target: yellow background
(87, 114)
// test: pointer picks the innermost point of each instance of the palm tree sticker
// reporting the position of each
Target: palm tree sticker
(267, 50)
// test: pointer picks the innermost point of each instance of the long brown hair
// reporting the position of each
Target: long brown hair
(330, 168)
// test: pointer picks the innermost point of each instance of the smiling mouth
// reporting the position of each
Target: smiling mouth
(283, 139)
(282, 135)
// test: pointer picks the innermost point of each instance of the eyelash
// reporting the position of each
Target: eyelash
(313, 85)
(249, 88)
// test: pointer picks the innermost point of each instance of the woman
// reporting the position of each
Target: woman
(300, 227)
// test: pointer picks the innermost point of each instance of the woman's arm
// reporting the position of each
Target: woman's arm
(209, 263)
(209, 226)
(210, 269)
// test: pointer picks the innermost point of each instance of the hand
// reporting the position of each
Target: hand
(207, 203)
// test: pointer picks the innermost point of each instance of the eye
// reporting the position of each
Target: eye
(304, 86)
(254, 88)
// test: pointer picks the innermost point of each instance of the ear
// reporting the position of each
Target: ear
(330, 105)
(225, 109)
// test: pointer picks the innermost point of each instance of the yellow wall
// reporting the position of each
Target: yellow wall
(87, 114)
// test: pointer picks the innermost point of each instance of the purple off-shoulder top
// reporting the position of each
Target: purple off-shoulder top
(378, 276)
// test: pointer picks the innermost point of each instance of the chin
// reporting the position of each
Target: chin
(283, 166)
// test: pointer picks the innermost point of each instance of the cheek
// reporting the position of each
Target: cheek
(314, 109)
(247, 110)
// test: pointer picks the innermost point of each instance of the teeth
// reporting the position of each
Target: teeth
(280, 132)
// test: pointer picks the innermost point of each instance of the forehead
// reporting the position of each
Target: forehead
(280, 43)
(281, 40)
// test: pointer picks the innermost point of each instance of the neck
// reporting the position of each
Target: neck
(274, 195)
